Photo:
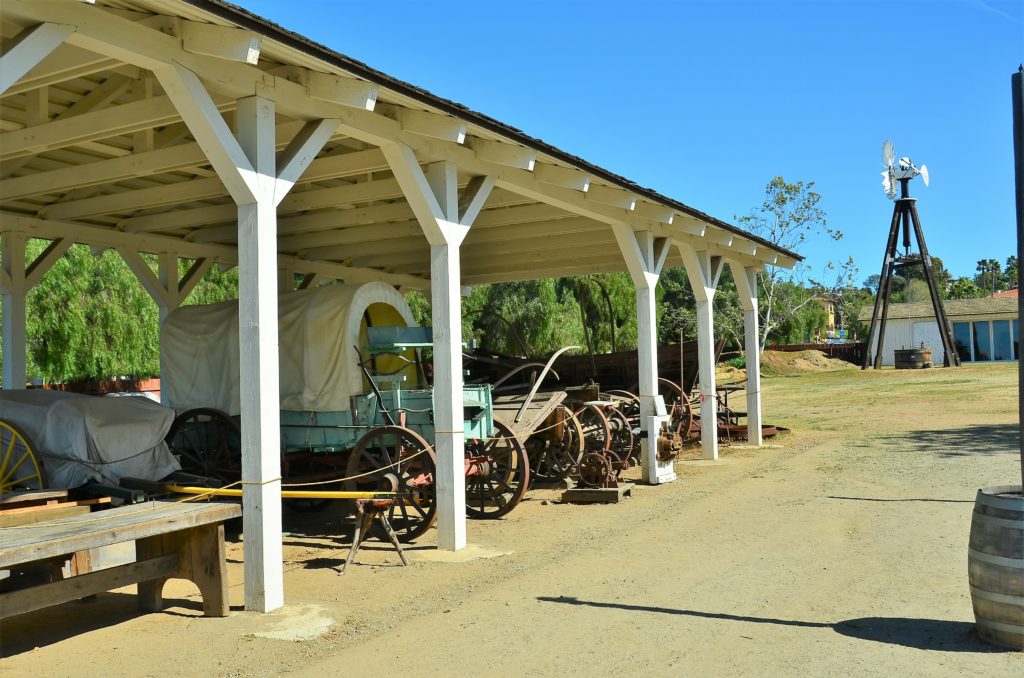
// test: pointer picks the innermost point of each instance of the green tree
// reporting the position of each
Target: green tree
(1012, 278)
(789, 215)
(964, 288)
(89, 318)
(989, 276)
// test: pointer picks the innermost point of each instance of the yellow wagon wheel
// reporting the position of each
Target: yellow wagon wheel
(20, 465)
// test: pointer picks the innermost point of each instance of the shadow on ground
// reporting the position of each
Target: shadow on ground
(912, 499)
(26, 632)
(921, 634)
(964, 441)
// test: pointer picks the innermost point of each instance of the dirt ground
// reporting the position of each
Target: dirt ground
(839, 549)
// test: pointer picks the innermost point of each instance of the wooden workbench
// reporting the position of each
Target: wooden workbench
(172, 540)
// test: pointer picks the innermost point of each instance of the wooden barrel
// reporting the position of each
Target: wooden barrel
(912, 358)
(995, 565)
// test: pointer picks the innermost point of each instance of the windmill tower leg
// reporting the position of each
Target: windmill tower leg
(952, 358)
(883, 284)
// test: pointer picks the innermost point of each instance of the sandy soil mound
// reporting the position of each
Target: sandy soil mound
(781, 363)
(727, 374)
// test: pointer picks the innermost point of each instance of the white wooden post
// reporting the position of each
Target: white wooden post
(164, 287)
(27, 49)
(703, 271)
(645, 257)
(248, 168)
(746, 286)
(445, 220)
(16, 280)
(14, 292)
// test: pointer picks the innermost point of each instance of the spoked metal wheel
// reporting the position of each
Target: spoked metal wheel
(596, 432)
(208, 443)
(627, 403)
(497, 473)
(20, 465)
(394, 458)
(622, 439)
(556, 452)
(677, 404)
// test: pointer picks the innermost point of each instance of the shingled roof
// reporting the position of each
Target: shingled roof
(957, 308)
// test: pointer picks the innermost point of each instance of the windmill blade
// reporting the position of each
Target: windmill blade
(924, 174)
(888, 153)
(888, 183)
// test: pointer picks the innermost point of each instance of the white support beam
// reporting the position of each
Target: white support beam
(300, 154)
(210, 130)
(703, 271)
(645, 256)
(329, 167)
(45, 261)
(28, 48)
(258, 353)
(114, 121)
(308, 230)
(432, 125)
(563, 177)
(435, 201)
(152, 282)
(332, 88)
(66, 63)
(12, 260)
(614, 197)
(16, 280)
(504, 154)
(192, 277)
(106, 238)
(485, 273)
(222, 42)
(650, 210)
(744, 246)
(473, 198)
(746, 287)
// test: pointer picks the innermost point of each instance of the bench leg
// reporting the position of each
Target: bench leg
(208, 568)
(151, 598)
(201, 560)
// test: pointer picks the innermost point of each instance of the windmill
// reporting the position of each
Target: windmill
(904, 216)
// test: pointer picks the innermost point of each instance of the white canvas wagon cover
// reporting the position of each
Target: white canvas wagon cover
(319, 329)
(82, 438)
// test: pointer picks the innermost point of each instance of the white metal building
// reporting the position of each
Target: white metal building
(192, 129)
(984, 330)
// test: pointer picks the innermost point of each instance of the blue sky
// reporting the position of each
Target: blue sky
(707, 101)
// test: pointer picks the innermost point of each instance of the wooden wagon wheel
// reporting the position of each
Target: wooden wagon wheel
(394, 458)
(555, 453)
(21, 468)
(208, 443)
(497, 473)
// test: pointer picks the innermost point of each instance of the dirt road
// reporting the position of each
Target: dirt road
(840, 549)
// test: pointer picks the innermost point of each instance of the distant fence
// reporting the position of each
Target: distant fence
(851, 353)
(106, 386)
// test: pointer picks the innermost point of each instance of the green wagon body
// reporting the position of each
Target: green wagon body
(332, 432)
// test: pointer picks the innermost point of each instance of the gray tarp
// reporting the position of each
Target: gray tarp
(82, 438)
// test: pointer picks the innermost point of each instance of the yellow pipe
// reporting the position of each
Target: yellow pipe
(290, 494)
